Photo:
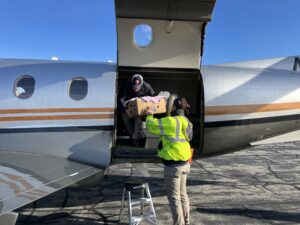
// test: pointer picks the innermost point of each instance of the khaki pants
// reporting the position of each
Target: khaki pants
(133, 125)
(175, 181)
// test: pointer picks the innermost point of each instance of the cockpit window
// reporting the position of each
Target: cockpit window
(143, 35)
(78, 88)
(24, 87)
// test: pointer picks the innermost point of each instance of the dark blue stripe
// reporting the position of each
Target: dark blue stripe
(57, 129)
(252, 121)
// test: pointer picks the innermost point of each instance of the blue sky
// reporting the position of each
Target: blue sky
(85, 30)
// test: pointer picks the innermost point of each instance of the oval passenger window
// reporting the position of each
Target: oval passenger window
(24, 87)
(143, 35)
(78, 88)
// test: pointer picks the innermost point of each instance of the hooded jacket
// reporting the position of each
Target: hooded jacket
(127, 92)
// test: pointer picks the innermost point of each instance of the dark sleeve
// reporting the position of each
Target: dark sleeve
(150, 91)
(123, 96)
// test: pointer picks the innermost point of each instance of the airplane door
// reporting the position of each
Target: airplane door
(163, 41)
(177, 32)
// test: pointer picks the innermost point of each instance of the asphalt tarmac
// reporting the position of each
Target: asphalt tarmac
(260, 185)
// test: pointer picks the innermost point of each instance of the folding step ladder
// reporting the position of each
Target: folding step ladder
(138, 185)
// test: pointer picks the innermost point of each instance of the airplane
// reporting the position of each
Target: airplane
(59, 120)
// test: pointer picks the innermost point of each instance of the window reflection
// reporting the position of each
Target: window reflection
(78, 88)
(24, 87)
(143, 35)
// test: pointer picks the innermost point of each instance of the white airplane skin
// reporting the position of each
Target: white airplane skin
(60, 121)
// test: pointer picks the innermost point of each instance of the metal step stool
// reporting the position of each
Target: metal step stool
(136, 185)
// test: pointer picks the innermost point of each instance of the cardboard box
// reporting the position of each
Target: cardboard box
(137, 106)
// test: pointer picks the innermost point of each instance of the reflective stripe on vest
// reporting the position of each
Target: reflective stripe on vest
(189, 129)
(161, 128)
(176, 139)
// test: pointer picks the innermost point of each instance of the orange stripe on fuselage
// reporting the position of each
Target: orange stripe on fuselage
(242, 109)
(55, 110)
(58, 117)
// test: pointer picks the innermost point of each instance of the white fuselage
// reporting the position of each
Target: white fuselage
(246, 102)
(240, 105)
(50, 121)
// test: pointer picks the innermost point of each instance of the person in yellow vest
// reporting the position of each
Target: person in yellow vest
(175, 152)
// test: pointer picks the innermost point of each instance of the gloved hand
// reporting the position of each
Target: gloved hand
(148, 111)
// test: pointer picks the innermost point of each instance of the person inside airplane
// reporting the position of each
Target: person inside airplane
(175, 152)
(135, 87)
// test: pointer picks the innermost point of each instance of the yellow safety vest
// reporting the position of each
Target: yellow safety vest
(175, 132)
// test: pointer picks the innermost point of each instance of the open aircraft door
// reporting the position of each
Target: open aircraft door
(163, 41)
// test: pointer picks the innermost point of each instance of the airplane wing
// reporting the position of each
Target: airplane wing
(26, 177)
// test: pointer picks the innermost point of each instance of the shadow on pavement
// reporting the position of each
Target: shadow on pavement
(254, 213)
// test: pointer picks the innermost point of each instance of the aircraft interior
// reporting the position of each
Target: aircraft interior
(186, 83)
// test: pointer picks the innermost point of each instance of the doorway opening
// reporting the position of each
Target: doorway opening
(180, 82)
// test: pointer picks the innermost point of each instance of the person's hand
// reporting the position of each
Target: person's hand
(148, 111)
